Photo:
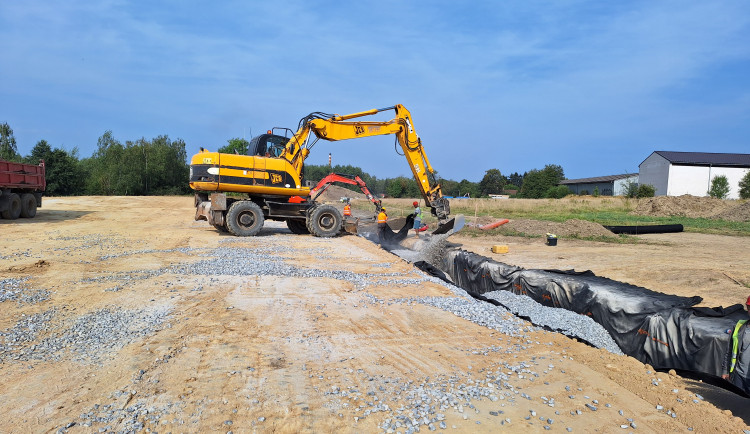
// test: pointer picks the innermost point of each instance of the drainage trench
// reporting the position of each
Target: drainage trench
(662, 330)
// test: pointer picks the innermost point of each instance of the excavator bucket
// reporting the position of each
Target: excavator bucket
(451, 226)
(350, 225)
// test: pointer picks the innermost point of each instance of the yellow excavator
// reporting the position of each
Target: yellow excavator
(271, 176)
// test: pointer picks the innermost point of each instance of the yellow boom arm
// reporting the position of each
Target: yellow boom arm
(338, 127)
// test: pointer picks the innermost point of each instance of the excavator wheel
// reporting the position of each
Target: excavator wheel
(220, 228)
(325, 221)
(244, 218)
(28, 205)
(298, 227)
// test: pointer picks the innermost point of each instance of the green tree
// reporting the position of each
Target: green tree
(8, 150)
(719, 187)
(558, 192)
(645, 190)
(744, 186)
(104, 166)
(467, 187)
(402, 187)
(236, 145)
(64, 173)
(450, 187)
(536, 183)
(139, 167)
(596, 191)
(631, 189)
(492, 182)
(515, 179)
(41, 151)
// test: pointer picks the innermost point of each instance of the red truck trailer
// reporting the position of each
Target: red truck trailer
(21, 187)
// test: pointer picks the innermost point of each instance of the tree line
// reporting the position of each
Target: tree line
(159, 166)
(141, 167)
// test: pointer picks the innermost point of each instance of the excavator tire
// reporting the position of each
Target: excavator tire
(14, 207)
(244, 218)
(28, 205)
(325, 221)
(220, 228)
(298, 227)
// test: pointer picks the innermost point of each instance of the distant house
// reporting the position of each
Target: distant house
(678, 173)
(612, 185)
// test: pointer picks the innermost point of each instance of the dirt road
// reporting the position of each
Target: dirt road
(123, 313)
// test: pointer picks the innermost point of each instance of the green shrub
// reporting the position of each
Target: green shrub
(557, 192)
(631, 189)
(719, 187)
(596, 191)
(745, 186)
(645, 190)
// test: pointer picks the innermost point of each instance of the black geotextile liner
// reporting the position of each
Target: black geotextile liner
(391, 236)
(663, 330)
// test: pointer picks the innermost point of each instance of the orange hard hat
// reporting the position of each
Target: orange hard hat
(417, 203)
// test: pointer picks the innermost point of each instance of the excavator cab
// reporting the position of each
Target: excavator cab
(267, 145)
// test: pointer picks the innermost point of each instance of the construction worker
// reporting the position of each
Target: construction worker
(417, 218)
(734, 368)
(382, 224)
(347, 210)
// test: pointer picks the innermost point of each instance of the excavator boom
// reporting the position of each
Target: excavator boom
(340, 127)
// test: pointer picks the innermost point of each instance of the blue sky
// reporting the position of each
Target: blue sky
(592, 86)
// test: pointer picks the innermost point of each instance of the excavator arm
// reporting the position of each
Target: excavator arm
(326, 182)
(338, 127)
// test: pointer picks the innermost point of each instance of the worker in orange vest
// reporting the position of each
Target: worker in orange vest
(347, 210)
(382, 224)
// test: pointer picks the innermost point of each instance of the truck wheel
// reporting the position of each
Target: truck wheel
(14, 207)
(28, 205)
(244, 218)
(298, 227)
(325, 221)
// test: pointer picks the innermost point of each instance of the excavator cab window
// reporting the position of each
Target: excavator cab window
(267, 145)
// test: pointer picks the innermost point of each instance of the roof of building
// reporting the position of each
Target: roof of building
(598, 179)
(706, 158)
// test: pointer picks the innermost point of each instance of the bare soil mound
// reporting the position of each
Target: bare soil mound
(694, 207)
(334, 193)
(683, 206)
(738, 213)
(571, 228)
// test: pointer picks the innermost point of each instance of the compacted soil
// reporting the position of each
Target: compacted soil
(123, 314)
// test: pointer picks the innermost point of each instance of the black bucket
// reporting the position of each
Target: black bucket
(551, 240)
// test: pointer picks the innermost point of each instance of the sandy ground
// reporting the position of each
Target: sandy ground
(306, 354)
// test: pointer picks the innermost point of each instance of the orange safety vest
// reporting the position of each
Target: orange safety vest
(382, 218)
(347, 210)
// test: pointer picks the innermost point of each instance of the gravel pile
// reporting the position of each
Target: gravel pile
(409, 406)
(123, 417)
(26, 330)
(186, 250)
(245, 261)
(561, 320)
(91, 338)
(16, 290)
